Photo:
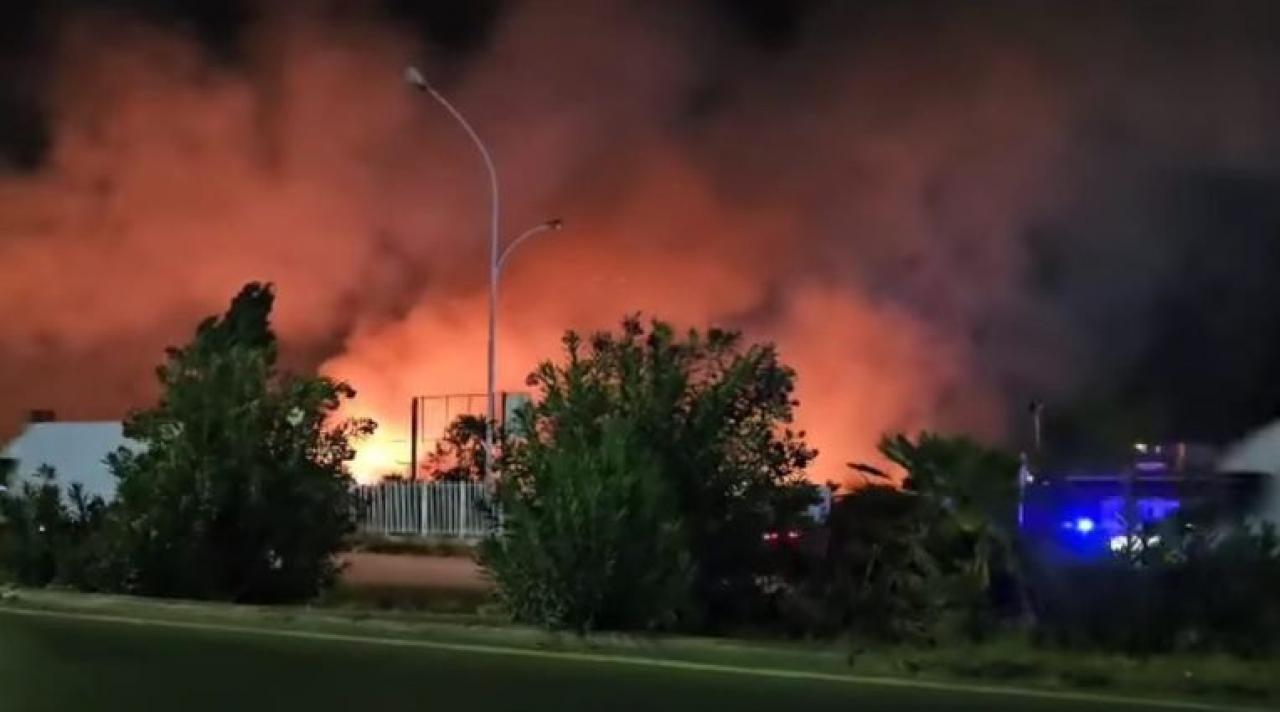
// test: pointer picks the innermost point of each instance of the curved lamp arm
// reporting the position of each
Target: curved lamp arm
(548, 226)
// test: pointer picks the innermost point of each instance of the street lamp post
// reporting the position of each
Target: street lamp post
(495, 277)
(497, 259)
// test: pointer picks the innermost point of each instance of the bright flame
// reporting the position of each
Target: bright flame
(382, 454)
(184, 176)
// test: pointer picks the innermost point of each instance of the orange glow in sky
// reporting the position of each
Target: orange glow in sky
(378, 456)
(181, 177)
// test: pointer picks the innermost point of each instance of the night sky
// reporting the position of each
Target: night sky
(1093, 215)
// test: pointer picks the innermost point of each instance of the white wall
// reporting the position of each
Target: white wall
(77, 451)
(1259, 452)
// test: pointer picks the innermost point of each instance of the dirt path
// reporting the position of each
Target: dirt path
(448, 572)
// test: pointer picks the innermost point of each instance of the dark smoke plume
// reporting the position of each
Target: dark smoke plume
(937, 211)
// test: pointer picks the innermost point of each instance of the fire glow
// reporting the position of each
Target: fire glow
(173, 178)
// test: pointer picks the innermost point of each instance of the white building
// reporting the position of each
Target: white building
(1259, 453)
(77, 451)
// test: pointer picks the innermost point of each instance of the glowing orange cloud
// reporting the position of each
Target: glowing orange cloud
(175, 177)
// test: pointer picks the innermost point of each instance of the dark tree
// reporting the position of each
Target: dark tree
(240, 490)
(703, 419)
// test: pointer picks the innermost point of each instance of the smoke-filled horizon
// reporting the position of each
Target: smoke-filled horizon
(936, 213)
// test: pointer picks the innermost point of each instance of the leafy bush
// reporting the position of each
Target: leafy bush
(1233, 587)
(48, 539)
(970, 494)
(1197, 589)
(592, 538)
(241, 492)
(34, 523)
(929, 556)
(936, 555)
(460, 454)
(880, 579)
(642, 417)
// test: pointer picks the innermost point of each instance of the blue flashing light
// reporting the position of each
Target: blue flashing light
(1084, 525)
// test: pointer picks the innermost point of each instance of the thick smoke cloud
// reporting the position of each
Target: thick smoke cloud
(936, 214)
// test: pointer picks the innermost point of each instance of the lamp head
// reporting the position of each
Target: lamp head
(414, 78)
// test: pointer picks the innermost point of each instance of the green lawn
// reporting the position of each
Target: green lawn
(56, 663)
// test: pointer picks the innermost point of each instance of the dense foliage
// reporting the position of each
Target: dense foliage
(927, 556)
(937, 556)
(650, 468)
(240, 491)
(596, 541)
(459, 456)
(237, 490)
(638, 496)
(52, 537)
(879, 578)
(1196, 586)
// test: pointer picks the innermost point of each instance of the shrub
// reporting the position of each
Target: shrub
(50, 538)
(1197, 589)
(929, 556)
(459, 456)
(643, 417)
(592, 538)
(880, 578)
(241, 492)
(34, 524)
(1233, 587)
